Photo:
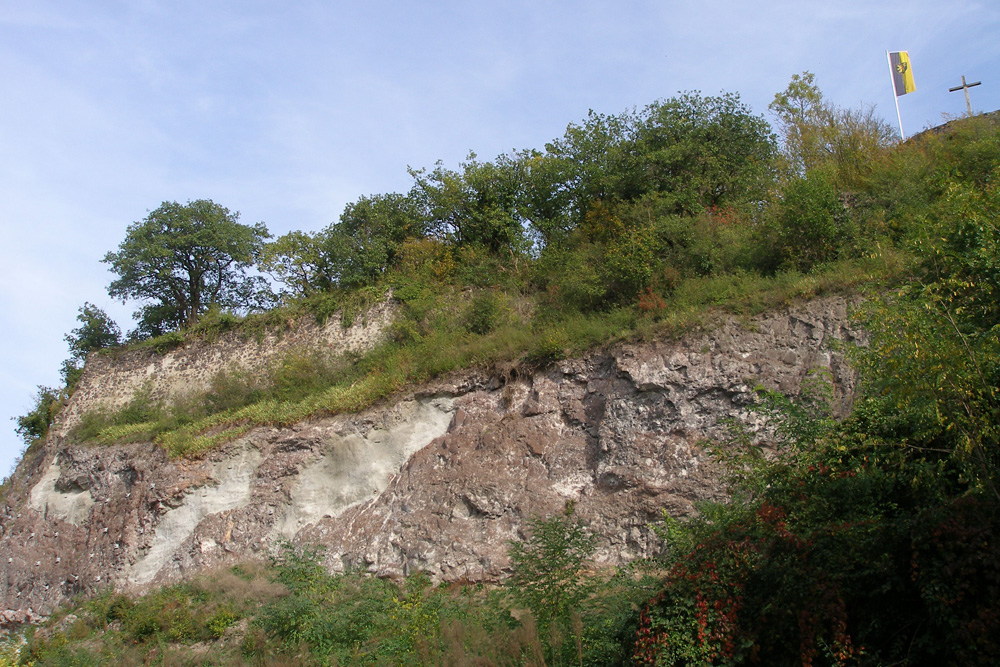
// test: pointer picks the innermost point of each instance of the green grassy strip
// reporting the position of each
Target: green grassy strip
(393, 366)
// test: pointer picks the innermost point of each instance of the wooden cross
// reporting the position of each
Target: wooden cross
(965, 86)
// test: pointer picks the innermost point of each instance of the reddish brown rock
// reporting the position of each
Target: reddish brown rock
(438, 481)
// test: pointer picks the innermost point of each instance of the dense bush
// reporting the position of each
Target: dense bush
(35, 425)
(874, 540)
(812, 223)
(845, 551)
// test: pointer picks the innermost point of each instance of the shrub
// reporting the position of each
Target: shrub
(812, 223)
(35, 425)
(230, 389)
(214, 322)
(571, 278)
(548, 578)
(221, 621)
(485, 313)
(426, 260)
(301, 373)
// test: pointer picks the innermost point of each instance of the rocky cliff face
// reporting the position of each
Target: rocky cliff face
(438, 480)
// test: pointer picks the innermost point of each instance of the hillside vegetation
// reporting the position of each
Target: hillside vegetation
(871, 540)
(626, 226)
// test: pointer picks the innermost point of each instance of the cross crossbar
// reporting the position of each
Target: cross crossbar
(965, 86)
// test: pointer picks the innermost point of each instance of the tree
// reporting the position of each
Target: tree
(692, 152)
(35, 424)
(815, 133)
(352, 252)
(477, 206)
(591, 162)
(702, 152)
(297, 261)
(545, 201)
(96, 331)
(548, 566)
(367, 240)
(803, 117)
(812, 224)
(184, 259)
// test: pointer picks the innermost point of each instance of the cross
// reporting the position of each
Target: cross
(965, 86)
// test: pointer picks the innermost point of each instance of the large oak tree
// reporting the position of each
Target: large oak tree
(183, 259)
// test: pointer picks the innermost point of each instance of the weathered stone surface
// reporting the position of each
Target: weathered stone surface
(438, 480)
(110, 380)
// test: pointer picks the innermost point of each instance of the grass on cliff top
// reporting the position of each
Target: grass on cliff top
(443, 330)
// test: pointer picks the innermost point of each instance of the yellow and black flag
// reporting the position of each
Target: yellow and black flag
(902, 75)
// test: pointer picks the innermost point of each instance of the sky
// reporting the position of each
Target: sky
(287, 110)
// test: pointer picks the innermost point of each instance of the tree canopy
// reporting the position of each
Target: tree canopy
(96, 331)
(183, 260)
(816, 133)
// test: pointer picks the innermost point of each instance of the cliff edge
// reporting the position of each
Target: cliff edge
(439, 479)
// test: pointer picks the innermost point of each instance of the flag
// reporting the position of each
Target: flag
(902, 75)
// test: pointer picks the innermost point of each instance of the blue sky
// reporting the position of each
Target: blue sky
(287, 111)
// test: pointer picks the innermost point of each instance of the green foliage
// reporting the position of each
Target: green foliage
(549, 581)
(423, 262)
(607, 262)
(590, 163)
(231, 389)
(803, 118)
(220, 622)
(297, 260)
(813, 563)
(571, 278)
(213, 324)
(10, 652)
(818, 135)
(368, 240)
(302, 373)
(812, 223)
(935, 349)
(293, 611)
(956, 569)
(35, 425)
(628, 263)
(299, 568)
(545, 203)
(486, 313)
(872, 540)
(358, 620)
(97, 331)
(704, 152)
(693, 152)
(477, 206)
(548, 567)
(430, 338)
(354, 619)
(164, 342)
(137, 420)
(188, 623)
(182, 259)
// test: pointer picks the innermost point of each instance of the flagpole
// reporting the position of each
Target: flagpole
(895, 97)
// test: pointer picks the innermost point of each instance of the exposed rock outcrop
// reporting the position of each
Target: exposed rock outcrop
(438, 480)
(112, 379)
